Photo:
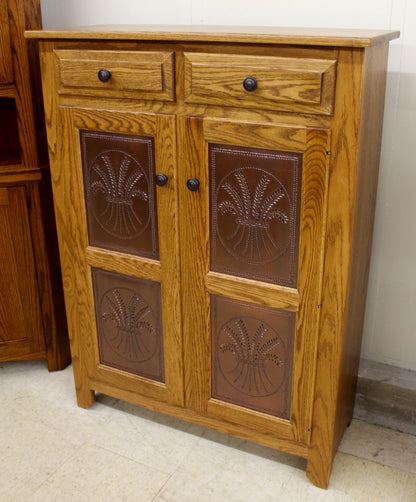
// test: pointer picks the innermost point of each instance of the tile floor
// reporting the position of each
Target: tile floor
(51, 450)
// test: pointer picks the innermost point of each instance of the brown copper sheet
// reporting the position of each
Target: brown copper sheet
(252, 355)
(119, 190)
(129, 323)
(255, 206)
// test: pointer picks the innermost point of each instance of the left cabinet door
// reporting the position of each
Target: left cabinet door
(118, 243)
(21, 331)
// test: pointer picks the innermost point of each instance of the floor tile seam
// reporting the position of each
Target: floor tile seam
(186, 425)
(39, 418)
(403, 471)
(121, 455)
(151, 465)
(160, 491)
(411, 470)
(58, 468)
(386, 498)
(287, 482)
(410, 466)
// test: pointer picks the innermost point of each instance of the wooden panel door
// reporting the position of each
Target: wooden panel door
(118, 244)
(6, 65)
(251, 240)
(21, 330)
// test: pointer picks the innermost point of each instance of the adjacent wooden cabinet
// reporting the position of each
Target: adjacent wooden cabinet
(32, 315)
(214, 194)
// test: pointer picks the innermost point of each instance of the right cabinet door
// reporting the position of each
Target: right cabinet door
(252, 237)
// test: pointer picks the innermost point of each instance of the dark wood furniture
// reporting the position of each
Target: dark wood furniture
(214, 194)
(32, 314)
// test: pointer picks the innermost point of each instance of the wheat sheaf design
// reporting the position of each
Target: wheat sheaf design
(253, 212)
(129, 324)
(255, 353)
(116, 182)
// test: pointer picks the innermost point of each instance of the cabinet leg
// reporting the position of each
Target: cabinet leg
(318, 470)
(48, 270)
(58, 361)
(85, 397)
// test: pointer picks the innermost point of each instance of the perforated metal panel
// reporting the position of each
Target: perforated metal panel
(119, 191)
(252, 355)
(129, 323)
(255, 206)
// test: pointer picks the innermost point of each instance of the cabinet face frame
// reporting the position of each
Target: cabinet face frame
(83, 258)
(199, 282)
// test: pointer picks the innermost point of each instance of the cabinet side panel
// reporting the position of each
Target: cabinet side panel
(67, 201)
(337, 254)
(48, 271)
(371, 125)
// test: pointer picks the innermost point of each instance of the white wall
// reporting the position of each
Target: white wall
(390, 325)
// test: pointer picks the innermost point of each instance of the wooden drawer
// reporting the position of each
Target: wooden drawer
(291, 84)
(140, 75)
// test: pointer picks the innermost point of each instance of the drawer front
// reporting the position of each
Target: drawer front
(131, 74)
(289, 84)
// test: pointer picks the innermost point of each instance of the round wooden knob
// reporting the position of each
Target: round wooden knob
(161, 179)
(104, 75)
(250, 84)
(192, 184)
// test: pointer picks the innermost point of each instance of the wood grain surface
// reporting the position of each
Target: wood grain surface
(230, 34)
(339, 152)
(31, 297)
(6, 66)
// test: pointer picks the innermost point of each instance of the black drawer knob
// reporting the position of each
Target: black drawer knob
(161, 179)
(104, 75)
(192, 184)
(250, 84)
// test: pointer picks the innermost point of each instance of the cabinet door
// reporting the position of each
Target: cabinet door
(251, 265)
(21, 331)
(118, 244)
(6, 67)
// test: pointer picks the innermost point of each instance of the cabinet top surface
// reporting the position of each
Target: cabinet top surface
(231, 34)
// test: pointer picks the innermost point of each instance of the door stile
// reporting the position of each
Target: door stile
(194, 238)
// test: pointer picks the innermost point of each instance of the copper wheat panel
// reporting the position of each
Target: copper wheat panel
(255, 205)
(129, 324)
(252, 356)
(120, 194)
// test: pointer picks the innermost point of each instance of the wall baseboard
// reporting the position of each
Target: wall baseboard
(386, 395)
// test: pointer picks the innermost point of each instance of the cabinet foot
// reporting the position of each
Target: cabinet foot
(58, 362)
(319, 472)
(85, 398)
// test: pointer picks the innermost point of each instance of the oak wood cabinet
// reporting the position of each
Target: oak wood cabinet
(32, 314)
(214, 194)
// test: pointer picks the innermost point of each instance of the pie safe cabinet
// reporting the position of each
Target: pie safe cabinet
(32, 313)
(214, 194)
